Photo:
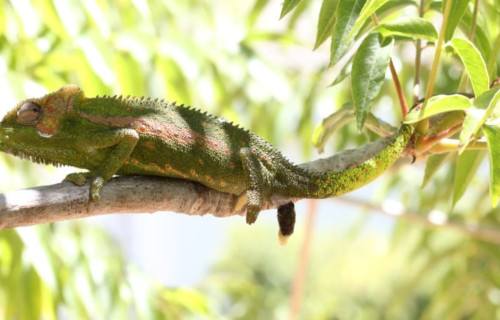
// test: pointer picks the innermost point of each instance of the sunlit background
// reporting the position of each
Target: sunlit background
(236, 59)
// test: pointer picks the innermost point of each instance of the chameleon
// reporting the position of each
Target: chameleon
(140, 136)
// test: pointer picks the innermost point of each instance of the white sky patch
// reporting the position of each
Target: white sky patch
(143, 8)
(29, 17)
(67, 16)
(437, 217)
(43, 44)
(96, 61)
(264, 75)
(33, 89)
(98, 16)
(189, 67)
(393, 207)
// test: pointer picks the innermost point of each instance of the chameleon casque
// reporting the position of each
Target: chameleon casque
(137, 136)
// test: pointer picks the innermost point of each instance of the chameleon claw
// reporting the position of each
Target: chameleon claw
(252, 214)
(95, 189)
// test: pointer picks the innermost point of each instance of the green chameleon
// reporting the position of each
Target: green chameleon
(137, 136)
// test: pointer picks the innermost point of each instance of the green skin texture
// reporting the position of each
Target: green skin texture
(131, 136)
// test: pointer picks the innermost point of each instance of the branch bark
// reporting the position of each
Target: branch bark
(123, 194)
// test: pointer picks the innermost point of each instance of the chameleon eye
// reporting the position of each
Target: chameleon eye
(29, 113)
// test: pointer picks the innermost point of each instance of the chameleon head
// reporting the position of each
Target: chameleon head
(43, 113)
(34, 120)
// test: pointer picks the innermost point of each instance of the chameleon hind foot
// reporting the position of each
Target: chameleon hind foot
(254, 204)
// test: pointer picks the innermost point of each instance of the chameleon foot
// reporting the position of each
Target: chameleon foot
(254, 205)
(78, 178)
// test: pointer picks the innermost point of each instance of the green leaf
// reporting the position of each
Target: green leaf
(412, 28)
(476, 116)
(288, 6)
(493, 138)
(467, 165)
(457, 11)
(432, 166)
(346, 16)
(474, 64)
(326, 21)
(50, 17)
(368, 73)
(329, 125)
(129, 74)
(368, 9)
(344, 73)
(438, 104)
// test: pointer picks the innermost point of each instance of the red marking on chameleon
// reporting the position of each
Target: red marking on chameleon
(203, 124)
(201, 161)
(357, 175)
(193, 172)
(142, 128)
(128, 108)
(164, 131)
(125, 162)
(223, 183)
(135, 161)
(243, 143)
(364, 169)
(327, 181)
(168, 167)
(209, 178)
(48, 126)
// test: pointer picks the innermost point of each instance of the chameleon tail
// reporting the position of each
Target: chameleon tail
(364, 165)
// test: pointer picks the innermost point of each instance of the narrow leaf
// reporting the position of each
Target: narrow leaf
(368, 9)
(288, 6)
(467, 165)
(326, 21)
(346, 15)
(412, 28)
(493, 139)
(474, 64)
(438, 104)
(457, 11)
(330, 124)
(476, 116)
(368, 73)
(432, 166)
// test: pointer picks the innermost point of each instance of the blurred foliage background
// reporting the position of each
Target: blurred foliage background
(237, 60)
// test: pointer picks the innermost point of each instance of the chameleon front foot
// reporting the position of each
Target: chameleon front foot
(79, 178)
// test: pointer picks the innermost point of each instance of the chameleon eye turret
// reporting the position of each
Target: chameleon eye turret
(29, 113)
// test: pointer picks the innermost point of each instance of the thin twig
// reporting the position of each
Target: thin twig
(395, 78)
(395, 210)
(418, 58)
(300, 273)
